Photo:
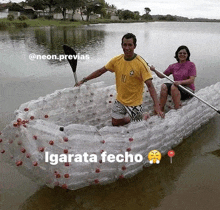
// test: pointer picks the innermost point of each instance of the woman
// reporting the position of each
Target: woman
(184, 73)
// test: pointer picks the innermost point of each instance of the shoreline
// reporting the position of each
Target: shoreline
(6, 24)
(40, 22)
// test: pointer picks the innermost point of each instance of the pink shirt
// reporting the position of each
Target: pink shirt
(182, 71)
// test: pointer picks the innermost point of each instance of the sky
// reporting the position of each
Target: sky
(186, 8)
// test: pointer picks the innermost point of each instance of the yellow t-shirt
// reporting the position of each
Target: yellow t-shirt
(130, 77)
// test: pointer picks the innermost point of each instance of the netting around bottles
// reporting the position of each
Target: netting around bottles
(65, 138)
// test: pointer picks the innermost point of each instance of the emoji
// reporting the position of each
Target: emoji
(154, 156)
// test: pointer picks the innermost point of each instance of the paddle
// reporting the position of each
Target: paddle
(73, 62)
(188, 91)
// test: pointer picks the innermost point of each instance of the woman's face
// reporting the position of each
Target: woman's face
(182, 55)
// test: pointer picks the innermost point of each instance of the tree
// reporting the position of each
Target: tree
(75, 4)
(92, 6)
(63, 5)
(147, 10)
(127, 14)
(15, 7)
(171, 18)
(50, 4)
(147, 15)
(167, 18)
(119, 13)
(136, 15)
(42, 4)
(36, 4)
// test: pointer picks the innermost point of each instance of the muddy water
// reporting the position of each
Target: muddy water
(190, 182)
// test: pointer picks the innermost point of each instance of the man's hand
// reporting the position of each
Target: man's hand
(93, 75)
(153, 95)
(80, 83)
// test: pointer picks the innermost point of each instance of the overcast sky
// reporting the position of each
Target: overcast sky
(187, 8)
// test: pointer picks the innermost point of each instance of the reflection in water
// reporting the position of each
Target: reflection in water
(157, 43)
(216, 152)
(143, 191)
(53, 38)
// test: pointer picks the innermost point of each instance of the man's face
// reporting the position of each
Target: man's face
(128, 47)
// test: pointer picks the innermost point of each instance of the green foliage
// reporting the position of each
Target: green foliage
(38, 4)
(126, 14)
(103, 12)
(93, 6)
(22, 17)
(15, 7)
(7, 24)
(4, 25)
(147, 17)
(167, 18)
(147, 10)
(171, 18)
(136, 15)
(108, 16)
(20, 25)
(10, 17)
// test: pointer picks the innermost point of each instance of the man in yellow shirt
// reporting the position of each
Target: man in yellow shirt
(131, 72)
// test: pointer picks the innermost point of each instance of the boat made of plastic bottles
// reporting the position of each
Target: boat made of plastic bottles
(66, 138)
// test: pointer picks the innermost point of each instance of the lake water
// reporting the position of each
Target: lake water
(190, 182)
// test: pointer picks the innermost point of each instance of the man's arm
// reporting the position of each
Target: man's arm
(153, 95)
(93, 75)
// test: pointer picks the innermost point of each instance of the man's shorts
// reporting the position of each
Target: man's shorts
(119, 111)
(184, 95)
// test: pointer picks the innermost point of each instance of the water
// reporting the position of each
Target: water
(190, 182)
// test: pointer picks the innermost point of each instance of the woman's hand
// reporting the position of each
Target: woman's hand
(177, 83)
(185, 82)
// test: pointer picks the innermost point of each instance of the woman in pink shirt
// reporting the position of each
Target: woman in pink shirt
(184, 73)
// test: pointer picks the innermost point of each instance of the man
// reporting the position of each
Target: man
(131, 72)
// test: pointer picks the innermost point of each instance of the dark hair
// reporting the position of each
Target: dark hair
(129, 36)
(183, 47)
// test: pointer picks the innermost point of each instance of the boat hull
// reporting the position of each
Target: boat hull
(66, 138)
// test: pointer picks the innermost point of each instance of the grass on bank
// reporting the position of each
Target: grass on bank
(5, 23)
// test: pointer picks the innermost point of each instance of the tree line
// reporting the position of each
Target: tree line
(87, 7)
